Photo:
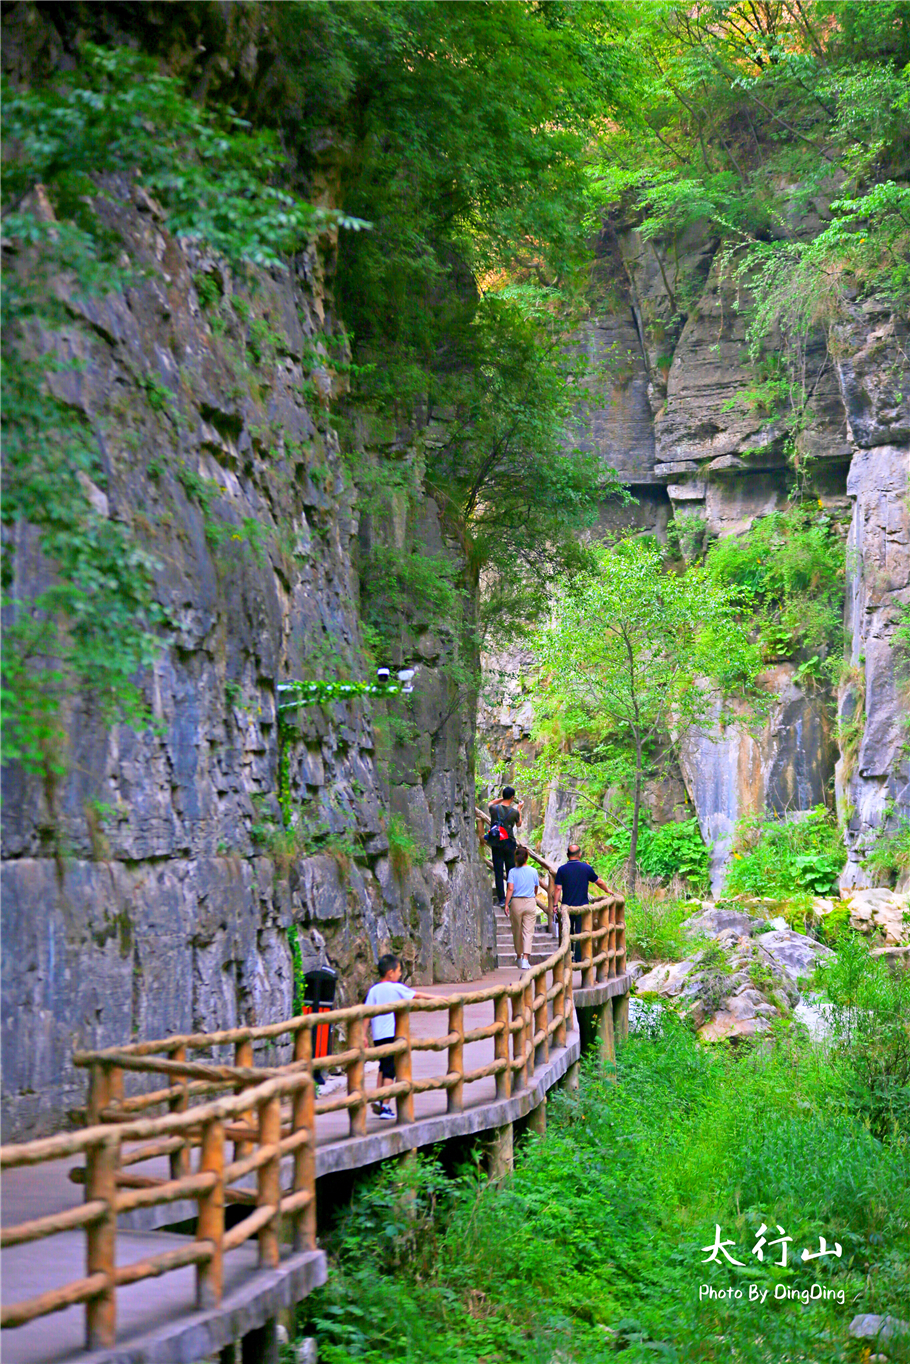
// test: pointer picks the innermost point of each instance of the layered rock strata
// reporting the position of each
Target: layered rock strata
(676, 405)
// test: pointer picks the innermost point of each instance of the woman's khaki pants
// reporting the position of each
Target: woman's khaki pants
(523, 914)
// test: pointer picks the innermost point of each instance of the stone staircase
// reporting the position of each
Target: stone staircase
(543, 946)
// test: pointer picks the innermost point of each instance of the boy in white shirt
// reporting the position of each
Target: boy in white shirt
(387, 990)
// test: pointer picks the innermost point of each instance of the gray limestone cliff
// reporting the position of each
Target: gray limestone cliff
(674, 405)
(151, 886)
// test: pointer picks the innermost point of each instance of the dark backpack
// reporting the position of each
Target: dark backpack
(497, 833)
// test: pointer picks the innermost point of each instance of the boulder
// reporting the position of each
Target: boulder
(711, 923)
(666, 980)
(871, 1326)
(793, 953)
(882, 912)
(726, 1024)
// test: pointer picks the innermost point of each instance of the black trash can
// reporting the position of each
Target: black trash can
(319, 998)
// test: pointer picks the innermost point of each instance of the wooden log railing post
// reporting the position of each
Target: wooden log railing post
(358, 1110)
(268, 1191)
(603, 1015)
(99, 1092)
(210, 1223)
(559, 1001)
(537, 1119)
(303, 1115)
(101, 1244)
(404, 1104)
(611, 939)
(500, 1152)
(179, 1160)
(455, 1096)
(568, 1001)
(501, 1049)
(116, 1099)
(243, 1056)
(541, 1019)
(620, 936)
(528, 1015)
(603, 943)
(516, 1008)
(587, 960)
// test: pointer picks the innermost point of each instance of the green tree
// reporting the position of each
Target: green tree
(635, 656)
(469, 127)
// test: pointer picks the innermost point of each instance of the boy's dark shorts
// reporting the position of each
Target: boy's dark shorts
(387, 1067)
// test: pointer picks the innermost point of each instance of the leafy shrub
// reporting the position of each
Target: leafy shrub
(836, 925)
(890, 857)
(597, 1239)
(790, 568)
(779, 858)
(654, 928)
(686, 533)
(714, 980)
(674, 849)
(869, 1011)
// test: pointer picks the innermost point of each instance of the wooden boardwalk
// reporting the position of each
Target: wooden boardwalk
(461, 1069)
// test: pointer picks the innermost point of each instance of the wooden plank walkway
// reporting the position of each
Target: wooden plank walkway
(240, 1133)
(33, 1191)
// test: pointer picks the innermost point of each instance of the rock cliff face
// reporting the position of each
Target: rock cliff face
(676, 407)
(152, 887)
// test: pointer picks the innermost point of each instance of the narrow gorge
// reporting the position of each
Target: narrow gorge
(355, 456)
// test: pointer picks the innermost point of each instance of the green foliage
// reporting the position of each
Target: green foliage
(673, 849)
(210, 170)
(654, 927)
(404, 851)
(408, 584)
(92, 630)
(781, 859)
(713, 980)
(472, 124)
(634, 660)
(834, 927)
(790, 570)
(869, 1014)
(458, 1270)
(686, 535)
(890, 855)
(780, 131)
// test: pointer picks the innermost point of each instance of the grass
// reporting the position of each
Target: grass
(654, 927)
(599, 1243)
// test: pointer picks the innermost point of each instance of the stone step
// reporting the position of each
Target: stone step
(506, 960)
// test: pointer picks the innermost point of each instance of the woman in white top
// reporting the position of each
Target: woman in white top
(521, 906)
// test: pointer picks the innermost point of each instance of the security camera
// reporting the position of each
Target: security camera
(382, 676)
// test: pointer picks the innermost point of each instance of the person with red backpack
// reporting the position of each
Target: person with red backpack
(505, 818)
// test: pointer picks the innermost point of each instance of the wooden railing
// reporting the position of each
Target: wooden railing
(269, 1112)
(102, 1145)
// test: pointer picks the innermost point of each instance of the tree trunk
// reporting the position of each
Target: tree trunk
(636, 807)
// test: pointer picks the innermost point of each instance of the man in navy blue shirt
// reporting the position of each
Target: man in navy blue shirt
(572, 881)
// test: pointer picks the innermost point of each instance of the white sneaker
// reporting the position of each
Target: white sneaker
(524, 964)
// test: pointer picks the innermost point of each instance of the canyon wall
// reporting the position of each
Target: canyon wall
(151, 883)
(674, 404)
